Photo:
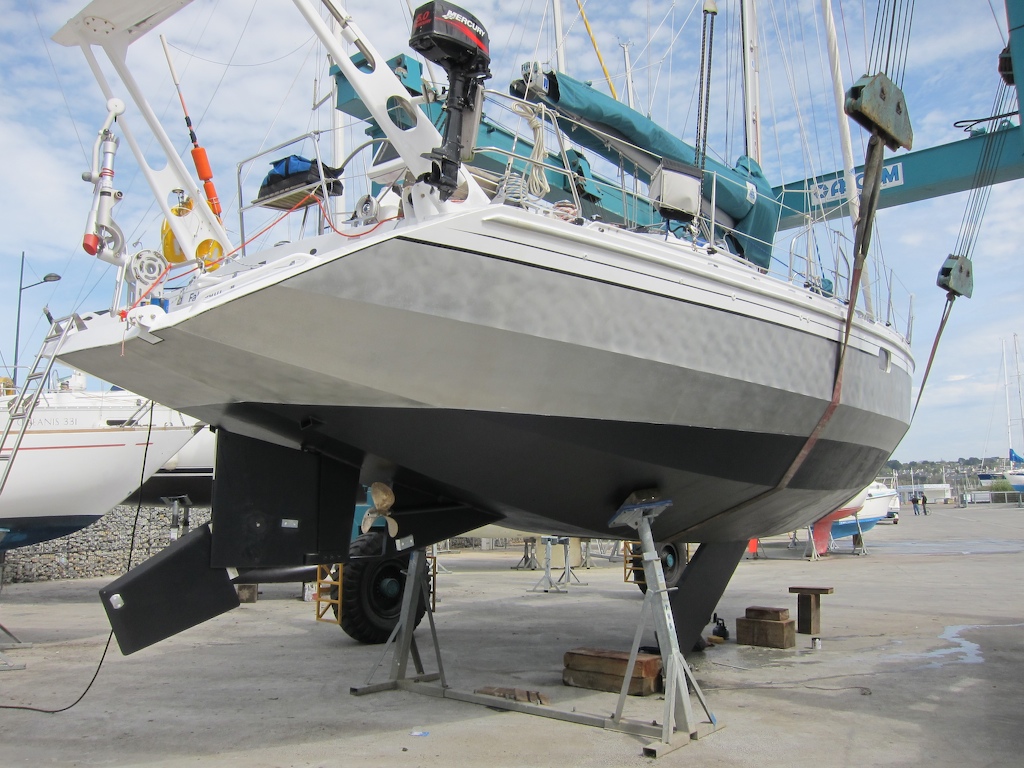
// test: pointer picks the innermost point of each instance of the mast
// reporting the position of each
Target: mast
(839, 94)
(556, 15)
(751, 80)
(1020, 398)
(629, 75)
(1006, 392)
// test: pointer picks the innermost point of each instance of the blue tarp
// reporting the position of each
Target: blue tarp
(756, 215)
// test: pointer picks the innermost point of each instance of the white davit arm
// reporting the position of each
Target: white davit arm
(380, 89)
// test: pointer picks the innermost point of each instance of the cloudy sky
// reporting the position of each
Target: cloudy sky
(248, 68)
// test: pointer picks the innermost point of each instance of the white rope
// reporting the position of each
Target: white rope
(537, 184)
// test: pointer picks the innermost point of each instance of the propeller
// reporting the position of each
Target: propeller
(383, 499)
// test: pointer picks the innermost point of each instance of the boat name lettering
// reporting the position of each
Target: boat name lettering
(54, 421)
(834, 190)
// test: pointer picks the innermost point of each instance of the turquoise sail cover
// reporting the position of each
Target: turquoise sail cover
(742, 192)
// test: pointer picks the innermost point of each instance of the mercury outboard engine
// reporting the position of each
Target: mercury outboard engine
(452, 38)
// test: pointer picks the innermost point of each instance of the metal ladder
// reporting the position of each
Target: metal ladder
(21, 407)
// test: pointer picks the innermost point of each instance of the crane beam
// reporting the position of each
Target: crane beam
(907, 178)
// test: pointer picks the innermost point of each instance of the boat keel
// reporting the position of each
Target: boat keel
(701, 586)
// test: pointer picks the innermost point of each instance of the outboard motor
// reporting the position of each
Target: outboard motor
(453, 39)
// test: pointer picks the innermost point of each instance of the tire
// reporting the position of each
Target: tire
(371, 591)
(673, 563)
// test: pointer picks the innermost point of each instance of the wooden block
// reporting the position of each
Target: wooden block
(808, 614)
(767, 634)
(612, 662)
(771, 614)
(516, 694)
(247, 592)
(598, 681)
(811, 590)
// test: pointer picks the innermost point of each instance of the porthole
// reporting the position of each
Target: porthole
(884, 359)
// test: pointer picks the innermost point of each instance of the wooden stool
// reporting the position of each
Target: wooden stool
(808, 608)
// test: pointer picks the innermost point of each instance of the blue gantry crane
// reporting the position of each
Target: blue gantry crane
(930, 172)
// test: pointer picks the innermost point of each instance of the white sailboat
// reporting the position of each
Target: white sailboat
(491, 353)
(81, 455)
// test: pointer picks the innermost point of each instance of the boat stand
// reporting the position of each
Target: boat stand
(529, 559)
(678, 726)
(810, 551)
(859, 547)
(546, 583)
(402, 642)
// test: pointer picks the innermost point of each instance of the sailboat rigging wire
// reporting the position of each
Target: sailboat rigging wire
(671, 60)
(131, 552)
(597, 50)
(999, 24)
(233, 65)
(60, 85)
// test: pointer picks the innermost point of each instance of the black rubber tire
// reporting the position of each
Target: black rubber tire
(371, 591)
(673, 563)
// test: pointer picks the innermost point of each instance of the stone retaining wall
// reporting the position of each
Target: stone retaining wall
(101, 549)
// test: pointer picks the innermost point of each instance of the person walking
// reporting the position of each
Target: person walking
(924, 503)
(914, 500)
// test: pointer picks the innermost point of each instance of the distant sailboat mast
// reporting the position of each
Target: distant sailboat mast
(1006, 392)
(1020, 398)
(846, 142)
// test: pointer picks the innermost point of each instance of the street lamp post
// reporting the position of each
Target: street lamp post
(48, 278)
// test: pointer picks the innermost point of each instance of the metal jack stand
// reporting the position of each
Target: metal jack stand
(810, 550)
(529, 558)
(859, 547)
(568, 574)
(180, 506)
(402, 641)
(6, 665)
(546, 583)
(678, 713)
(438, 565)
(678, 725)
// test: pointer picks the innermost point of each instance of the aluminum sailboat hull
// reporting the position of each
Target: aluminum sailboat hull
(533, 368)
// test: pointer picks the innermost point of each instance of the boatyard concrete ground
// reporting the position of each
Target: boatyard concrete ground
(922, 663)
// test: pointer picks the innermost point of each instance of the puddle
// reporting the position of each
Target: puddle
(962, 651)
